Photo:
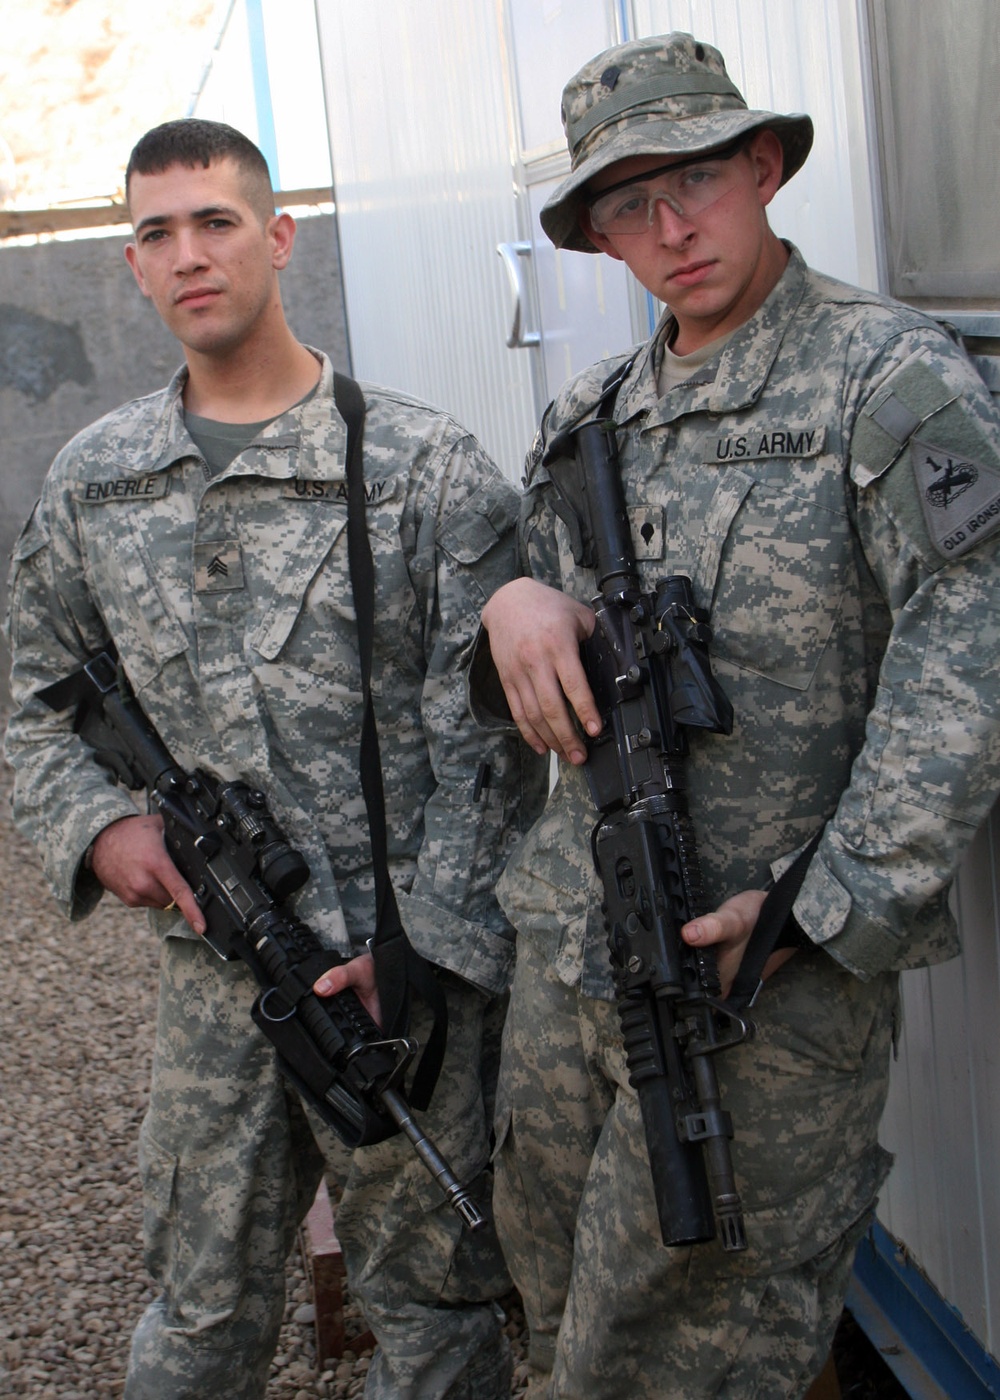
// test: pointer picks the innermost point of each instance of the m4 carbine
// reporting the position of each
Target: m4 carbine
(648, 667)
(227, 845)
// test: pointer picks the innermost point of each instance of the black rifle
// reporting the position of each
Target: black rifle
(227, 845)
(648, 667)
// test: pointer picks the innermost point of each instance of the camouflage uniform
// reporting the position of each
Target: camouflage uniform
(229, 600)
(830, 481)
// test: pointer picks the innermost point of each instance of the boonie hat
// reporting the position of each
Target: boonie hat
(667, 95)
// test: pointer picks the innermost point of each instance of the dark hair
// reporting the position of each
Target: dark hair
(192, 141)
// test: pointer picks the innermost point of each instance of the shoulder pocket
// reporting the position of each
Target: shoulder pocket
(479, 524)
(32, 538)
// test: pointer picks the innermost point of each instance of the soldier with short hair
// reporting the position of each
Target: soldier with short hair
(203, 531)
(824, 464)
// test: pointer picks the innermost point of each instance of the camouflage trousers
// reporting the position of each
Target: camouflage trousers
(611, 1311)
(230, 1163)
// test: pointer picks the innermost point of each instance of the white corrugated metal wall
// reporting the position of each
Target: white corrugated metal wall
(426, 158)
(422, 169)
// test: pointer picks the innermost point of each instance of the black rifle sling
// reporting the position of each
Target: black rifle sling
(398, 966)
(776, 926)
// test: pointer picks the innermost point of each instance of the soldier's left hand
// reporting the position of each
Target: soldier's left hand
(728, 929)
(358, 973)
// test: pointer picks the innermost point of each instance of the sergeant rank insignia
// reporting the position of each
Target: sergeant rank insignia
(960, 498)
(218, 566)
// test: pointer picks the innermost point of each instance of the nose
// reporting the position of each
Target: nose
(672, 227)
(189, 253)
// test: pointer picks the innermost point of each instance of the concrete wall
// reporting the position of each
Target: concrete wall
(77, 338)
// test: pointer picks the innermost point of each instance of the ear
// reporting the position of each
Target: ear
(767, 155)
(600, 240)
(281, 231)
(132, 258)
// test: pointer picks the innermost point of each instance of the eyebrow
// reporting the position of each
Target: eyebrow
(210, 211)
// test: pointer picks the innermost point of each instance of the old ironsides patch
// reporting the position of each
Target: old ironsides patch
(960, 498)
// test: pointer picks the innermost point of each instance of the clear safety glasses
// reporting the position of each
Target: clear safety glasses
(688, 187)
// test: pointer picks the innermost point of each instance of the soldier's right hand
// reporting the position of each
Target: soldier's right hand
(535, 633)
(130, 859)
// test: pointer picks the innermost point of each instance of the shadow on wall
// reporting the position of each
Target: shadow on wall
(77, 339)
(37, 354)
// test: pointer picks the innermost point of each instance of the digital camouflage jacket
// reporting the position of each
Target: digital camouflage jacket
(229, 600)
(830, 481)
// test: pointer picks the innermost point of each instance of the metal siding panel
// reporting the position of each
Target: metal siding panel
(975, 1031)
(422, 174)
(907, 1128)
(943, 1121)
(788, 57)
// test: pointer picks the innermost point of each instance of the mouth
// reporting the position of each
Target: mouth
(691, 273)
(193, 297)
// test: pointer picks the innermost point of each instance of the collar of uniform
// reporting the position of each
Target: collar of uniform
(322, 433)
(307, 441)
(732, 382)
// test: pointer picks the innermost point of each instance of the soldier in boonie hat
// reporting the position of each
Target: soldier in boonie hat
(668, 95)
(779, 439)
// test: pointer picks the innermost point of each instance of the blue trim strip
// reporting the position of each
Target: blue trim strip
(266, 137)
(653, 311)
(922, 1338)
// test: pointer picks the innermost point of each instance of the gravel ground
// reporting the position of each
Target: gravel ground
(76, 1038)
(76, 1035)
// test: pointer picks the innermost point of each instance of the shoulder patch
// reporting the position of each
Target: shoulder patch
(908, 398)
(960, 497)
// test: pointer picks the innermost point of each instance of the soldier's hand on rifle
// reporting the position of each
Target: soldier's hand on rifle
(535, 634)
(729, 929)
(358, 973)
(131, 860)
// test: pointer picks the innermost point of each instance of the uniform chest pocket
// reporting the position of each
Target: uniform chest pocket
(309, 620)
(313, 602)
(134, 594)
(776, 565)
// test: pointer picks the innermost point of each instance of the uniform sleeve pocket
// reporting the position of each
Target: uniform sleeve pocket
(478, 525)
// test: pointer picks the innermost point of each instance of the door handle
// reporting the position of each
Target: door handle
(510, 255)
